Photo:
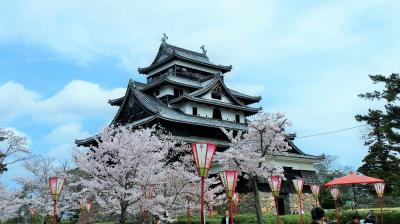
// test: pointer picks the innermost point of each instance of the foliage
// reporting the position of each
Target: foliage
(265, 137)
(383, 135)
(13, 148)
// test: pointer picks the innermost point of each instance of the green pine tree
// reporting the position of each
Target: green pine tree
(383, 136)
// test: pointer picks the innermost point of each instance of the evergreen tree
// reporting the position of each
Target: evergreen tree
(383, 136)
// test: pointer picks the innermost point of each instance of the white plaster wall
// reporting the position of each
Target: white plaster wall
(223, 99)
(165, 90)
(295, 163)
(207, 111)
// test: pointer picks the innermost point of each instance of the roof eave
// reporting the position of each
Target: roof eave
(146, 70)
(242, 108)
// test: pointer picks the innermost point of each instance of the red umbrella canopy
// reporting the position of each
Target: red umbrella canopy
(353, 178)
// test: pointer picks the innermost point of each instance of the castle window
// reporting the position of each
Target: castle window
(237, 118)
(157, 92)
(217, 114)
(177, 92)
(215, 95)
(194, 111)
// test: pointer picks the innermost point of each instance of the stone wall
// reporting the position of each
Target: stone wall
(291, 202)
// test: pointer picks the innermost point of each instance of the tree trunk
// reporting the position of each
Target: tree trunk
(122, 216)
(254, 181)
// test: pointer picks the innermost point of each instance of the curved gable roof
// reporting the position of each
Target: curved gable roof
(211, 84)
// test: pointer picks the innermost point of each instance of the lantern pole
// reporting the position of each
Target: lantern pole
(82, 204)
(301, 209)
(202, 201)
(188, 213)
(54, 211)
(277, 210)
(210, 214)
(83, 216)
(88, 208)
(88, 213)
(381, 203)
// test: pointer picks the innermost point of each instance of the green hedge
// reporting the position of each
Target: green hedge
(391, 216)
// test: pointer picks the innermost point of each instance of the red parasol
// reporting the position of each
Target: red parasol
(353, 178)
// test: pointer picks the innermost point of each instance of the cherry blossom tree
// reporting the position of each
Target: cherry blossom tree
(265, 137)
(13, 148)
(10, 200)
(127, 163)
(35, 187)
(122, 167)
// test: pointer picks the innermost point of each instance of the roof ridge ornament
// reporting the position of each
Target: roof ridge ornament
(164, 40)
(203, 48)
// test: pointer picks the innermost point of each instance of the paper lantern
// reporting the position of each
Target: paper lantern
(203, 154)
(229, 180)
(56, 186)
(380, 189)
(275, 184)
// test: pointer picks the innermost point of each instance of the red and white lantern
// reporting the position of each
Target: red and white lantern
(334, 192)
(149, 191)
(229, 180)
(275, 184)
(298, 185)
(380, 189)
(89, 205)
(315, 189)
(32, 210)
(56, 186)
(203, 154)
(235, 199)
(82, 203)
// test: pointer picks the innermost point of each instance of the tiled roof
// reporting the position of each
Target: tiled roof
(242, 95)
(169, 49)
(167, 52)
(171, 78)
(164, 112)
(215, 102)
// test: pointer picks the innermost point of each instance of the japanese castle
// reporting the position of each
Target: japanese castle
(185, 93)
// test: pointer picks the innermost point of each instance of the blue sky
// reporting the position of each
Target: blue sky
(61, 61)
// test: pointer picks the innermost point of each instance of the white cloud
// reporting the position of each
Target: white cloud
(62, 139)
(77, 101)
(15, 100)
